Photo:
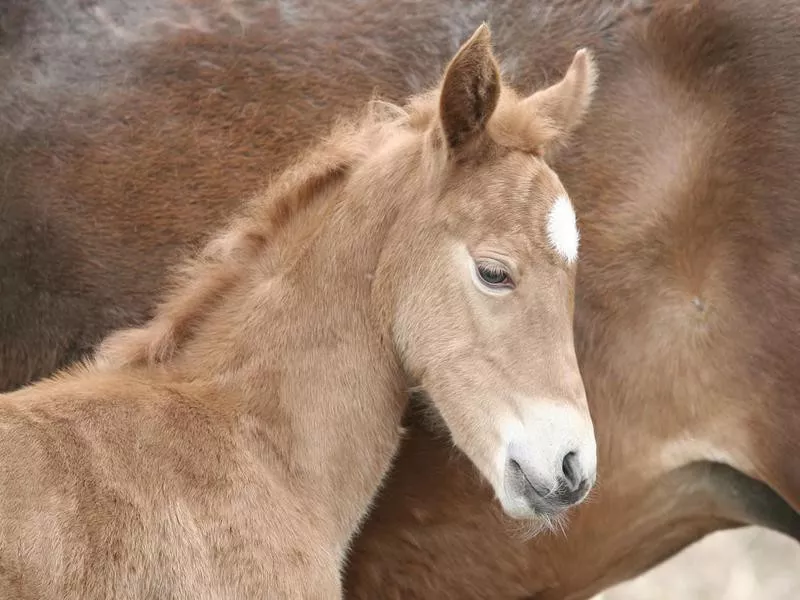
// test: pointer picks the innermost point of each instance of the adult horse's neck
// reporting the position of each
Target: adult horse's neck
(298, 345)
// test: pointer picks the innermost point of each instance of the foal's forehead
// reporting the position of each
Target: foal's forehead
(529, 202)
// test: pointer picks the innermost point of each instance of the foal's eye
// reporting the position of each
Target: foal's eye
(494, 275)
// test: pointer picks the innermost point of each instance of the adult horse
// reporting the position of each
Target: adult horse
(130, 128)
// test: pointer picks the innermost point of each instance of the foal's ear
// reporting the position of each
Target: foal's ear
(470, 90)
(563, 105)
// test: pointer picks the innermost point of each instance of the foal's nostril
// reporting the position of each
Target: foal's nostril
(570, 467)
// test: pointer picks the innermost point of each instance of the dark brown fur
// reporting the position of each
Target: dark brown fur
(684, 178)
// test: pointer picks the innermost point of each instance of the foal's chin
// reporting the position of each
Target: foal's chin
(520, 508)
(529, 520)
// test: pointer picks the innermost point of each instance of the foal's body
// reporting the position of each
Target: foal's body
(685, 178)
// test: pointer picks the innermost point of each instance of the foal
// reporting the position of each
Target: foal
(231, 447)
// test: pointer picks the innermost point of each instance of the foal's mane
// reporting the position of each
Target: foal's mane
(201, 280)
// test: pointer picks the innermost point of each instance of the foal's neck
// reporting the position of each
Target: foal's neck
(307, 360)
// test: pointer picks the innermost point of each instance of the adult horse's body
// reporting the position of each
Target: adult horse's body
(127, 130)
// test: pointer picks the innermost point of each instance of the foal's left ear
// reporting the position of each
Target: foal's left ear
(563, 105)
(470, 90)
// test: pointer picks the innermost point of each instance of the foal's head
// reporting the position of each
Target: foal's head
(474, 279)
(482, 281)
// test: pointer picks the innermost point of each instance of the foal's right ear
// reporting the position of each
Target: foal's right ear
(470, 90)
(564, 104)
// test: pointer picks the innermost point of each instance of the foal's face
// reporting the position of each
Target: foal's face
(485, 315)
(492, 333)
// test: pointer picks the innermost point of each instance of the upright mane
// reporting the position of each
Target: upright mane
(201, 280)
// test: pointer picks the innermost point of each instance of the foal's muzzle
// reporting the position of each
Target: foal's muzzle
(570, 487)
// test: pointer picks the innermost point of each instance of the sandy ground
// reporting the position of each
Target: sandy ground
(744, 564)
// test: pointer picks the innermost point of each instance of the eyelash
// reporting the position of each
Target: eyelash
(493, 274)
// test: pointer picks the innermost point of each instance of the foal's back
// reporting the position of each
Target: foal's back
(120, 485)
